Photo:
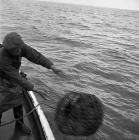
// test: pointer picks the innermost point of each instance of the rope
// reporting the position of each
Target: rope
(41, 94)
(27, 114)
(24, 116)
(77, 114)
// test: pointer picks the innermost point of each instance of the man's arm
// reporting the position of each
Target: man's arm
(35, 56)
(15, 77)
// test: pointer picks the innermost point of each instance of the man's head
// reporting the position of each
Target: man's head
(12, 43)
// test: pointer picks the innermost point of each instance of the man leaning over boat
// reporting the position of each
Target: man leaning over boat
(12, 83)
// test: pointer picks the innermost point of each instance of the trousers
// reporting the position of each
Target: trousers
(17, 111)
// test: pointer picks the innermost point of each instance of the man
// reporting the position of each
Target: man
(11, 82)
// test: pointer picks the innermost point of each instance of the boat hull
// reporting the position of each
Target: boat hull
(36, 121)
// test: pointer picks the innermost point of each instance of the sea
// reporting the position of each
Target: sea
(97, 49)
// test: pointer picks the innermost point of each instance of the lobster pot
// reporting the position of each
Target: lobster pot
(79, 114)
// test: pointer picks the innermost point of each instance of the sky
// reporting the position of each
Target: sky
(120, 4)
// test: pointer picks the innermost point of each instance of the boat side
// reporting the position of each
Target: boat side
(36, 121)
(41, 120)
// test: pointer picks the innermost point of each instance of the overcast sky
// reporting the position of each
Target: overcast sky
(121, 4)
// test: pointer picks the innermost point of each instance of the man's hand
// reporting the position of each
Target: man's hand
(57, 71)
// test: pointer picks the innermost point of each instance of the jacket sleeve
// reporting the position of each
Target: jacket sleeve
(35, 57)
(15, 77)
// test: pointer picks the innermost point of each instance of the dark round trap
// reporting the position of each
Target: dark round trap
(79, 114)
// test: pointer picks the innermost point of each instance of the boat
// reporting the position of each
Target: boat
(37, 121)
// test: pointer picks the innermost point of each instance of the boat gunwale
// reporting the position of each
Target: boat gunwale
(41, 120)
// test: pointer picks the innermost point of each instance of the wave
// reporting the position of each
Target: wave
(71, 42)
(98, 50)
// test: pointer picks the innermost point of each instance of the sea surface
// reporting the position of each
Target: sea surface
(98, 50)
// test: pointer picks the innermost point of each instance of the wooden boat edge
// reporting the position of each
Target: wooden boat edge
(44, 124)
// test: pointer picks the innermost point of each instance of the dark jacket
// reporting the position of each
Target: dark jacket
(10, 79)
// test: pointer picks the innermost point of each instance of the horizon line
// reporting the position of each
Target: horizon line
(107, 7)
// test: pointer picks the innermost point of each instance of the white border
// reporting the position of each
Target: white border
(44, 122)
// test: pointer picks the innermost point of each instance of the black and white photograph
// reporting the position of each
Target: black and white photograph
(69, 69)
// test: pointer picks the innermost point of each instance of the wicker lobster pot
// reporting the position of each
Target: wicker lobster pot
(79, 114)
